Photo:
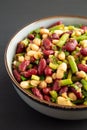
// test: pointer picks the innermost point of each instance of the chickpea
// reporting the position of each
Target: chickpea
(84, 43)
(56, 53)
(81, 74)
(37, 41)
(44, 31)
(55, 41)
(34, 47)
(31, 53)
(61, 56)
(48, 79)
(38, 55)
(64, 95)
(25, 84)
(59, 32)
(72, 96)
(34, 83)
(60, 74)
(54, 75)
(20, 58)
(64, 101)
(15, 63)
(27, 57)
(43, 84)
(77, 33)
(44, 36)
(63, 67)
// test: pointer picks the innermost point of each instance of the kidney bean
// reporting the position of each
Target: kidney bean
(84, 28)
(63, 89)
(48, 60)
(82, 67)
(32, 59)
(29, 72)
(37, 93)
(56, 23)
(20, 48)
(47, 44)
(31, 36)
(48, 52)
(48, 71)
(47, 98)
(83, 51)
(78, 94)
(46, 90)
(70, 45)
(41, 66)
(54, 36)
(17, 75)
(56, 86)
(23, 65)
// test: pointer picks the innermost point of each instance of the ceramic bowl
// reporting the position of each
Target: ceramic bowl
(49, 109)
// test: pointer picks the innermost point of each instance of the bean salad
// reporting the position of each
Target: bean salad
(51, 63)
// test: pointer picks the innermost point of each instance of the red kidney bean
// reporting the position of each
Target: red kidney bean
(56, 86)
(84, 28)
(47, 44)
(78, 94)
(29, 72)
(31, 36)
(54, 36)
(63, 89)
(48, 52)
(70, 45)
(20, 48)
(56, 23)
(83, 51)
(82, 67)
(48, 71)
(37, 93)
(32, 59)
(17, 75)
(23, 65)
(41, 66)
(46, 90)
(48, 60)
(47, 98)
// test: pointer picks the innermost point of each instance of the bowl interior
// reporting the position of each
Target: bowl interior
(10, 51)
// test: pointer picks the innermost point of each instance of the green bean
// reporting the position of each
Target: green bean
(57, 27)
(72, 64)
(84, 83)
(53, 66)
(69, 74)
(65, 82)
(54, 94)
(63, 40)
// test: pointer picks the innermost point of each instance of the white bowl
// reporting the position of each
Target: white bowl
(50, 109)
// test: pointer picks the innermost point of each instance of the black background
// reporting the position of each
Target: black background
(15, 14)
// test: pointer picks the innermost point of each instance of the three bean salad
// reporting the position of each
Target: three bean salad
(51, 63)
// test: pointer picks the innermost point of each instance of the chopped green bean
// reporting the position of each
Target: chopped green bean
(63, 40)
(72, 64)
(84, 83)
(57, 27)
(65, 82)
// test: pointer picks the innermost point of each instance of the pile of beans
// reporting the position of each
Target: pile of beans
(51, 63)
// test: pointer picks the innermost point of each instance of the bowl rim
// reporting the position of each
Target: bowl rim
(25, 92)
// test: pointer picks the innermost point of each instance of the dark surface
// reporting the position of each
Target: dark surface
(14, 14)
